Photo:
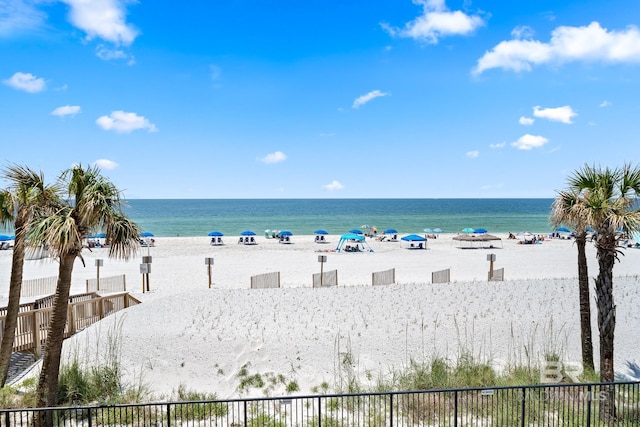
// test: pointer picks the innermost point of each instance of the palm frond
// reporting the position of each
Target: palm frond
(123, 235)
(7, 208)
(58, 231)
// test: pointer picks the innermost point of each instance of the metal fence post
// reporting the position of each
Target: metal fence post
(168, 415)
(319, 412)
(391, 409)
(589, 405)
(524, 399)
(245, 413)
(455, 408)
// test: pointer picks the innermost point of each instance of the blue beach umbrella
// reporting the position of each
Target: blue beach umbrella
(215, 234)
(146, 234)
(563, 230)
(355, 231)
(247, 233)
(286, 233)
(437, 230)
(4, 238)
(428, 230)
(413, 238)
(321, 231)
(101, 235)
(480, 231)
(91, 236)
(468, 230)
(390, 231)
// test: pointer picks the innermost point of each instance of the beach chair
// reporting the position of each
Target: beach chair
(241, 240)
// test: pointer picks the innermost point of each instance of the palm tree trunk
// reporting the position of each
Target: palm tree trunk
(606, 325)
(13, 305)
(586, 335)
(46, 394)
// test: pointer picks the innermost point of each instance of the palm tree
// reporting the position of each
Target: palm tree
(19, 203)
(92, 203)
(565, 210)
(607, 204)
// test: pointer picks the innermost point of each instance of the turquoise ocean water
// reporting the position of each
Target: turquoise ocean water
(173, 217)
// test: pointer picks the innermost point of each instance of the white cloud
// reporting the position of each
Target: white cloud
(19, 15)
(105, 164)
(104, 19)
(590, 43)
(26, 82)
(66, 110)
(110, 54)
(275, 157)
(522, 32)
(361, 100)
(123, 122)
(333, 186)
(473, 154)
(605, 104)
(559, 114)
(528, 142)
(499, 145)
(526, 121)
(436, 21)
(327, 134)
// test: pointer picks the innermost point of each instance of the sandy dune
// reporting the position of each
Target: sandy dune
(185, 333)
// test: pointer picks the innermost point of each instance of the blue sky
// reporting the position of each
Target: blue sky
(314, 99)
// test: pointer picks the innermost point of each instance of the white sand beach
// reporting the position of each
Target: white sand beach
(186, 334)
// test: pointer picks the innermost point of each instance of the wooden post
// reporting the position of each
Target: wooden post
(209, 262)
(101, 308)
(71, 319)
(98, 265)
(36, 334)
(322, 259)
(491, 258)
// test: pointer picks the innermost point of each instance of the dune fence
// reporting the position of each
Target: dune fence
(442, 276)
(387, 277)
(39, 286)
(497, 276)
(265, 281)
(328, 278)
(107, 284)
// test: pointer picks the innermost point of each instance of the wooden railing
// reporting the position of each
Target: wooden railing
(84, 310)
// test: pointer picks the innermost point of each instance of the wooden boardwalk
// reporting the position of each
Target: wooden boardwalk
(84, 310)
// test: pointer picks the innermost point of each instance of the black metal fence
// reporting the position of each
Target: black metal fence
(542, 405)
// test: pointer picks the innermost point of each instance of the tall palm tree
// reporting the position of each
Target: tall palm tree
(608, 205)
(19, 203)
(92, 203)
(565, 210)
